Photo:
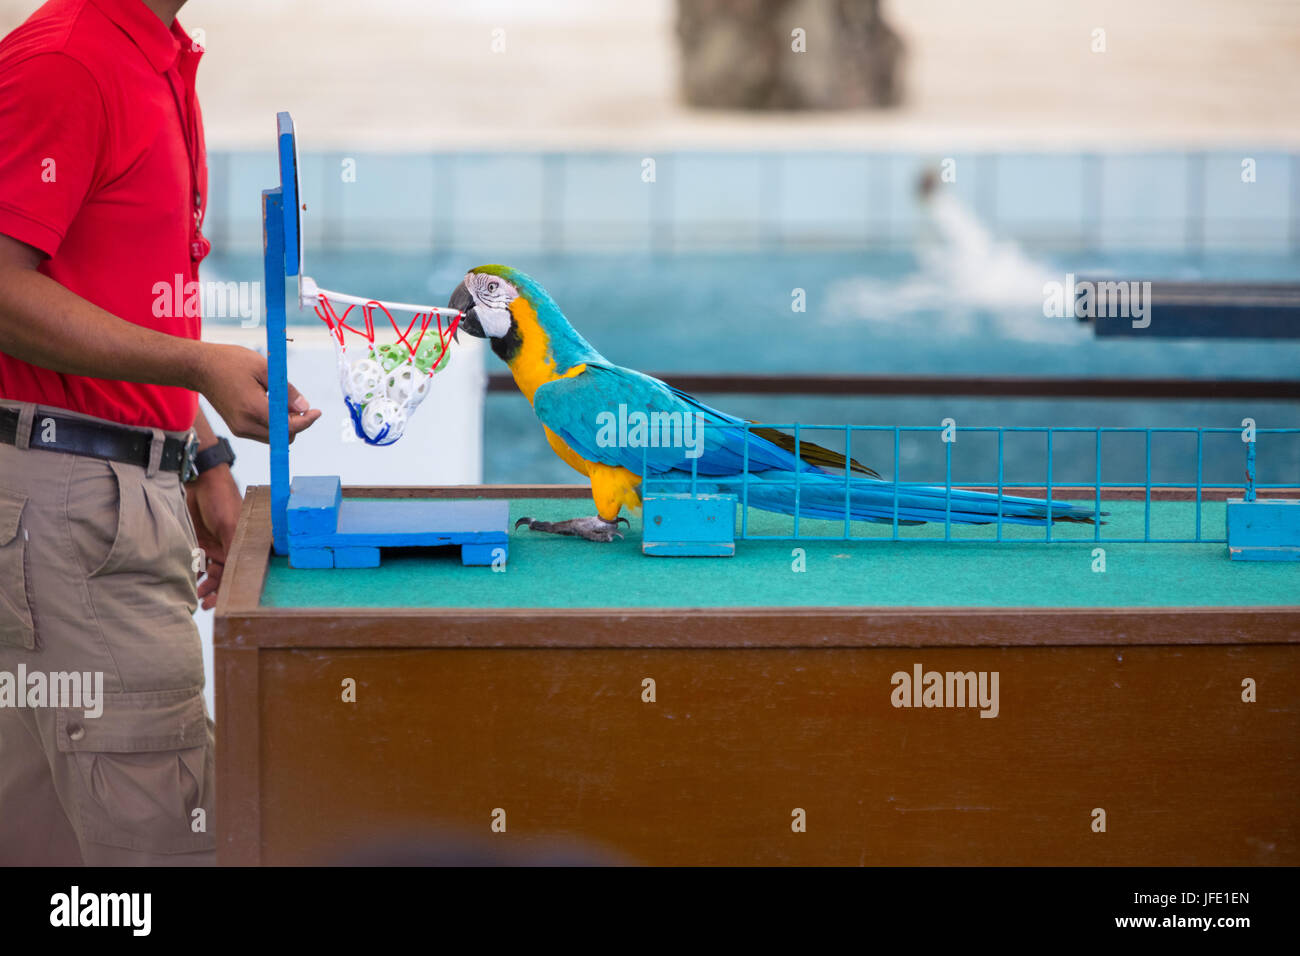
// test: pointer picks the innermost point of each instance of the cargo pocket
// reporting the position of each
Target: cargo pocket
(141, 770)
(16, 628)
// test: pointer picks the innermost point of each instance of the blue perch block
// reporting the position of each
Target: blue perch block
(695, 526)
(1267, 529)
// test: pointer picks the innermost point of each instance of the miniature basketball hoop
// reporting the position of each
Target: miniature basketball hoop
(383, 382)
(312, 522)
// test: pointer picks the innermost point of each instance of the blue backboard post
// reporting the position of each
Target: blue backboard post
(277, 373)
(282, 256)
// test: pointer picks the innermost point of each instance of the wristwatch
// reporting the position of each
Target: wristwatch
(219, 454)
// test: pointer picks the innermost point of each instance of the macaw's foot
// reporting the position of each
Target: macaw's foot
(594, 528)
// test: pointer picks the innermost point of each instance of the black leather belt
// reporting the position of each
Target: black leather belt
(76, 436)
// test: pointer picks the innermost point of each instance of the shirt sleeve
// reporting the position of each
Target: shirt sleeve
(52, 128)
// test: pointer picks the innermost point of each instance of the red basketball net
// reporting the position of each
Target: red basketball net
(338, 324)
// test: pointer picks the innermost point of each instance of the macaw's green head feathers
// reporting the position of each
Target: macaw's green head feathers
(507, 307)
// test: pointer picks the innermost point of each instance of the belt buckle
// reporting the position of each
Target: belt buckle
(189, 467)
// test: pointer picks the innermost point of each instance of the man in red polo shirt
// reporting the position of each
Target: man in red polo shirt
(106, 748)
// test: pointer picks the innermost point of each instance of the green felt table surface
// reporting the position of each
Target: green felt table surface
(557, 572)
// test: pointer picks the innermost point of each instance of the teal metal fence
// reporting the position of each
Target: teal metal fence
(995, 481)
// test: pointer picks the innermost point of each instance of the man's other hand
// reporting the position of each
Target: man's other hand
(214, 502)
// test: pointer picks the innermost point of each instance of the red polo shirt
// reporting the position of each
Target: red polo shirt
(103, 169)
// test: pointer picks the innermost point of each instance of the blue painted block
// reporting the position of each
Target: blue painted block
(412, 523)
(314, 503)
(483, 554)
(699, 526)
(310, 557)
(1267, 529)
(356, 557)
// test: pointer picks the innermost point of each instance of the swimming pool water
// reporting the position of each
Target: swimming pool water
(899, 310)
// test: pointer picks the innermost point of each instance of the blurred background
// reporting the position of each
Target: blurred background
(685, 176)
(674, 171)
(681, 174)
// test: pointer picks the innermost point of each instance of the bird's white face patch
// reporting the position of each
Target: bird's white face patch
(492, 297)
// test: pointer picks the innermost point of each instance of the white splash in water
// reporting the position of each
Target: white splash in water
(977, 283)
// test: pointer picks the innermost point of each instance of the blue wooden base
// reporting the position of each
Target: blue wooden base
(1267, 529)
(693, 526)
(326, 530)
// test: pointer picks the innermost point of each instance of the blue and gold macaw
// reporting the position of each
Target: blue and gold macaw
(576, 393)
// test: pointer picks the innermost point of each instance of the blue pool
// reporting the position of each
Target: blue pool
(877, 311)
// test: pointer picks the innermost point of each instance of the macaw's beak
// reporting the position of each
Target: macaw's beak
(464, 302)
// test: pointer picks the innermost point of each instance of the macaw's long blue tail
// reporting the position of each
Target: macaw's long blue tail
(821, 495)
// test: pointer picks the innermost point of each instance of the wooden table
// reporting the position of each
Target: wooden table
(522, 696)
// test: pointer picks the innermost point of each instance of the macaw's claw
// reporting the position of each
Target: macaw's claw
(593, 528)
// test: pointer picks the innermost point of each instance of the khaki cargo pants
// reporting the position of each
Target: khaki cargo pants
(97, 576)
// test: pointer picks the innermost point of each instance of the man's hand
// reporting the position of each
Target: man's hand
(233, 379)
(214, 503)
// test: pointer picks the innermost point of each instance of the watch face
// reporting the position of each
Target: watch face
(219, 454)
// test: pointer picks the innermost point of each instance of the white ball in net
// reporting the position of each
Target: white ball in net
(383, 412)
(365, 381)
(406, 384)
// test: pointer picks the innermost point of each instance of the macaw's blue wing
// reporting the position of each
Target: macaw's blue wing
(618, 416)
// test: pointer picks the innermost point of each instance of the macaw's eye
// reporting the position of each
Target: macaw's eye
(492, 286)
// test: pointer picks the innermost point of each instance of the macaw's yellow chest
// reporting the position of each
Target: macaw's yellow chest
(533, 365)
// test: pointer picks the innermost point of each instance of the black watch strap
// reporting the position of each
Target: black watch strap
(219, 454)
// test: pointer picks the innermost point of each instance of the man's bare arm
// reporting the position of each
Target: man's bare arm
(43, 323)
